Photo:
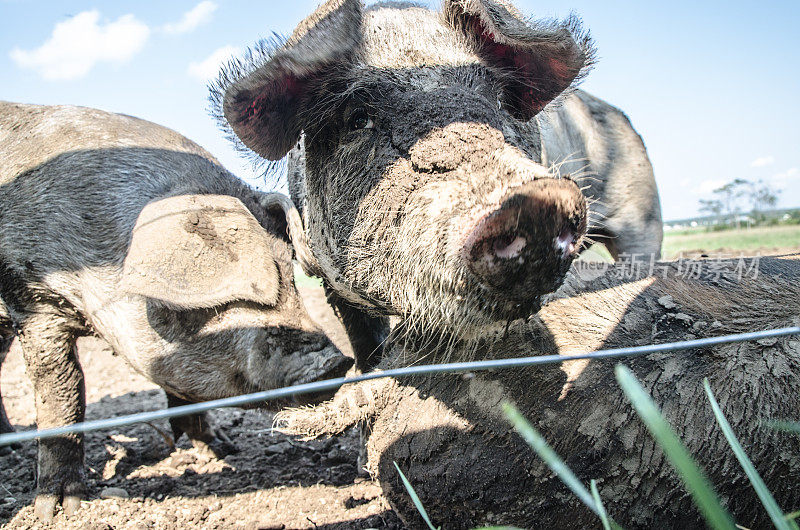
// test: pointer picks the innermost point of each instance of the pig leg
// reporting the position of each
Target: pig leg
(48, 345)
(5, 345)
(5, 425)
(204, 437)
(352, 404)
(366, 333)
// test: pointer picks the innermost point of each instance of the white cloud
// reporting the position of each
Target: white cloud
(80, 42)
(762, 161)
(198, 15)
(707, 187)
(209, 67)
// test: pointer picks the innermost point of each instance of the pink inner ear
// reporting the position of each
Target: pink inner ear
(559, 68)
(254, 108)
(266, 115)
(273, 96)
(539, 77)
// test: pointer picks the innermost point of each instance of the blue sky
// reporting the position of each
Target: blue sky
(713, 87)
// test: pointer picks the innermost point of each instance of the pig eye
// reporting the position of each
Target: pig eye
(359, 119)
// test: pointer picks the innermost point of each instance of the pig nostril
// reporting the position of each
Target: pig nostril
(508, 246)
(565, 242)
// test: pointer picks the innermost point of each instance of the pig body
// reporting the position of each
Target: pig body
(449, 437)
(114, 226)
(586, 137)
(437, 181)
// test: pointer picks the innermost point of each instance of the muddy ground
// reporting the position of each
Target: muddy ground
(272, 482)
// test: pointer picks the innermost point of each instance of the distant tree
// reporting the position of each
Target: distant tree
(713, 207)
(729, 196)
(762, 198)
(728, 200)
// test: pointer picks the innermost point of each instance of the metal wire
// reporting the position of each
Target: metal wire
(331, 384)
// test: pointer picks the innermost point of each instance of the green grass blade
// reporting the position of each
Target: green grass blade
(792, 516)
(789, 426)
(697, 484)
(602, 509)
(562, 471)
(774, 511)
(415, 498)
(546, 453)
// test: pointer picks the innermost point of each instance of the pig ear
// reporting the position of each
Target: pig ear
(193, 251)
(261, 95)
(294, 227)
(538, 60)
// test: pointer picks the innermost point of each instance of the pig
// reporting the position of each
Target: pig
(448, 435)
(118, 227)
(6, 336)
(442, 162)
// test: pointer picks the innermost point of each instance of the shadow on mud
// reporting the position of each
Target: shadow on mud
(139, 459)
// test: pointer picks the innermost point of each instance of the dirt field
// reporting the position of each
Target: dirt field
(272, 482)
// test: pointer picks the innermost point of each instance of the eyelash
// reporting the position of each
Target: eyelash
(356, 117)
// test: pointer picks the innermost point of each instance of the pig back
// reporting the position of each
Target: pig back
(32, 134)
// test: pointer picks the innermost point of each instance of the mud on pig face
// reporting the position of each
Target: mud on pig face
(422, 191)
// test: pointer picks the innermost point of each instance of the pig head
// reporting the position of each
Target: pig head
(416, 159)
(208, 278)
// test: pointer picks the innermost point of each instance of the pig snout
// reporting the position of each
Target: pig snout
(525, 246)
(291, 356)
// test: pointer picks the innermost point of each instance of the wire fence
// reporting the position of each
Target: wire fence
(333, 384)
